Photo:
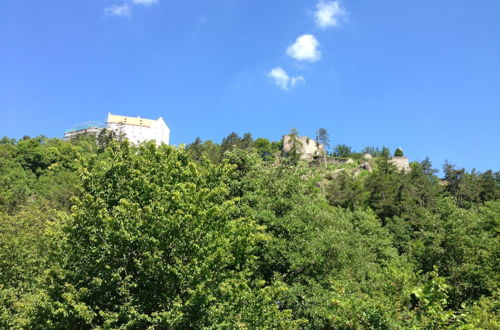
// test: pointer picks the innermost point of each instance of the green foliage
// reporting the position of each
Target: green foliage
(385, 152)
(154, 241)
(342, 150)
(215, 152)
(20, 245)
(394, 193)
(336, 263)
(346, 191)
(374, 151)
(247, 141)
(383, 187)
(106, 137)
(232, 140)
(22, 260)
(96, 233)
(398, 152)
(471, 188)
(195, 149)
(482, 314)
(16, 183)
(430, 302)
(265, 148)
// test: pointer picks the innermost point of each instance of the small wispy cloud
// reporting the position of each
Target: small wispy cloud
(125, 9)
(145, 2)
(119, 10)
(329, 13)
(296, 80)
(305, 48)
(283, 80)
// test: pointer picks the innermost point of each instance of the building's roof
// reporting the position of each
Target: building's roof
(124, 120)
(86, 125)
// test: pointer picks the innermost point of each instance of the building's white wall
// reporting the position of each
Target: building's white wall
(158, 132)
(135, 134)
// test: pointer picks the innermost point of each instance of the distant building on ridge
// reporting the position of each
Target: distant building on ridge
(88, 128)
(135, 129)
(138, 130)
(307, 147)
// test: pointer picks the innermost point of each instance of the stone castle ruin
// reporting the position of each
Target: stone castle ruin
(401, 163)
(307, 148)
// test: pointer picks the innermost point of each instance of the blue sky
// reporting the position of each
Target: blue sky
(423, 75)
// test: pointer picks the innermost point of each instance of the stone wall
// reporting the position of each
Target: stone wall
(401, 163)
(308, 148)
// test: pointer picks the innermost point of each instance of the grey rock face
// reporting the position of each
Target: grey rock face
(367, 166)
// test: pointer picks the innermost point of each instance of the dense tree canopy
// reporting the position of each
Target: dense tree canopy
(98, 233)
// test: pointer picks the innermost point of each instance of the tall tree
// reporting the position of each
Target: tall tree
(232, 140)
(323, 137)
(247, 141)
(195, 149)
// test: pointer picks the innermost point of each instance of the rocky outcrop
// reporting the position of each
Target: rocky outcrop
(366, 166)
(368, 157)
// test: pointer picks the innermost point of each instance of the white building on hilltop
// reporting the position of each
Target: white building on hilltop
(135, 129)
(138, 130)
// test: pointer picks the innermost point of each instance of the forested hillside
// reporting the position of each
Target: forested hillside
(98, 233)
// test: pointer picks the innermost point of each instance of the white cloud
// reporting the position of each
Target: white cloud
(295, 80)
(329, 13)
(144, 2)
(116, 10)
(280, 77)
(283, 80)
(305, 48)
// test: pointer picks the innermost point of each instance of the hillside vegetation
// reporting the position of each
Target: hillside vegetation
(98, 233)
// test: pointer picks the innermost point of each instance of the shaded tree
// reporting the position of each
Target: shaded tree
(247, 141)
(463, 186)
(230, 141)
(106, 136)
(195, 149)
(342, 150)
(346, 191)
(264, 148)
